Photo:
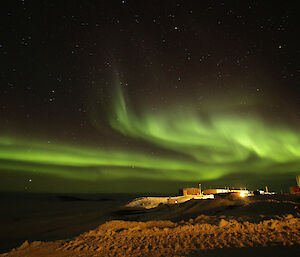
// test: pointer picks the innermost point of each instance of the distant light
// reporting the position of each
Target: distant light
(243, 194)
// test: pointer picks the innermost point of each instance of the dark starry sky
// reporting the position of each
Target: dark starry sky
(60, 60)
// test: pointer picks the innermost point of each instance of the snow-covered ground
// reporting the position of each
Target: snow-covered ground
(152, 202)
(79, 226)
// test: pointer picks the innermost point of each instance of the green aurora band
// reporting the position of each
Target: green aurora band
(219, 143)
(210, 147)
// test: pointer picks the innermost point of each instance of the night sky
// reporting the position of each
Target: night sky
(148, 96)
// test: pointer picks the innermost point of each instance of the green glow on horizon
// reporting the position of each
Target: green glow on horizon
(210, 147)
(59, 159)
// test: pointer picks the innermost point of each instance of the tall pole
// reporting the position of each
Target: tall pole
(200, 189)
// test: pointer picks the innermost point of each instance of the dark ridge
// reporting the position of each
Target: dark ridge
(69, 198)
